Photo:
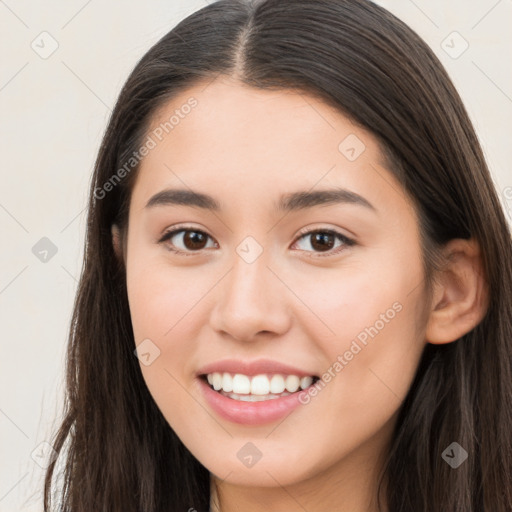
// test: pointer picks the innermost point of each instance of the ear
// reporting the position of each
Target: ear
(116, 242)
(460, 297)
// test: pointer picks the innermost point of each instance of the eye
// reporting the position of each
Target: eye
(191, 240)
(324, 240)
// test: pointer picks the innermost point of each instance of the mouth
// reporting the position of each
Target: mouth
(257, 388)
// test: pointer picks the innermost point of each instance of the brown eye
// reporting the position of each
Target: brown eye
(324, 241)
(186, 240)
(194, 240)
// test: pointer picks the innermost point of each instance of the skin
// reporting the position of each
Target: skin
(295, 304)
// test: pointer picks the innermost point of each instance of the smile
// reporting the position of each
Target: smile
(258, 387)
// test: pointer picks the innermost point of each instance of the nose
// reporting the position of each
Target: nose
(251, 302)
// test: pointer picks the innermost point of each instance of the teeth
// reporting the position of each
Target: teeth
(277, 384)
(217, 381)
(305, 382)
(227, 382)
(292, 383)
(241, 384)
(259, 385)
(253, 398)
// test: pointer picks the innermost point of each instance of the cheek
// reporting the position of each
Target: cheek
(370, 362)
(161, 298)
(158, 300)
(161, 304)
(371, 331)
(345, 301)
(369, 374)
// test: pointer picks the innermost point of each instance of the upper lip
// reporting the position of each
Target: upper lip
(251, 368)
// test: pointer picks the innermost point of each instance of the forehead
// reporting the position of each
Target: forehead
(229, 139)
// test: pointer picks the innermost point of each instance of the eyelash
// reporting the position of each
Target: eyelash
(347, 242)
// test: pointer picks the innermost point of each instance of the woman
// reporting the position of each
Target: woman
(296, 291)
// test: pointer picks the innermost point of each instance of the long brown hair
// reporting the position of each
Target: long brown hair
(119, 452)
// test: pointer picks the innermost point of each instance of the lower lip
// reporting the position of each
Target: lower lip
(249, 413)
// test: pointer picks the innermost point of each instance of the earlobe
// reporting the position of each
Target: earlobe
(460, 297)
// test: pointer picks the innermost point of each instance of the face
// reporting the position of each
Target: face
(269, 287)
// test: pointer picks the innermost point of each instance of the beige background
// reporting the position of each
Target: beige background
(54, 110)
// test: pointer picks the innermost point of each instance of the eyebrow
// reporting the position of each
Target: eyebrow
(294, 201)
